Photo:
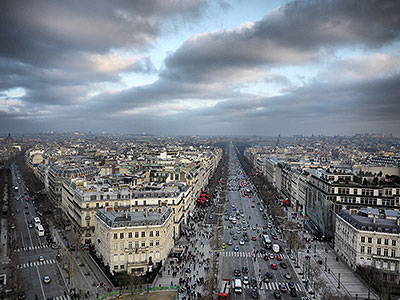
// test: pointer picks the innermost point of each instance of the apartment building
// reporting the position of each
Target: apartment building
(133, 241)
(59, 173)
(328, 192)
(370, 237)
(81, 199)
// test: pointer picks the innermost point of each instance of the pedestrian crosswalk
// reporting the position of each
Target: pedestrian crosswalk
(245, 254)
(31, 248)
(61, 298)
(274, 286)
(36, 263)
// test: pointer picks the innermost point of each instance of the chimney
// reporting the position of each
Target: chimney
(374, 219)
(145, 213)
(398, 220)
(126, 214)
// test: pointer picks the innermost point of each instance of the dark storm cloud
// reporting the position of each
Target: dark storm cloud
(293, 34)
(48, 47)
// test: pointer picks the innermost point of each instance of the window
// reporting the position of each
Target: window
(121, 246)
(157, 233)
(393, 253)
(385, 252)
(144, 202)
(143, 244)
(151, 243)
(143, 234)
(363, 239)
(378, 251)
(130, 235)
(121, 257)
(362, 249)
(386, 242)
(136, 234)
(157, 243)
(369, 240)
(151, 233)
(115, 257)
(121, 235)
(97, 204)
(122, 267)
(379, 241)
(130, 245)
(369, 250)
(136, 244)
(393, 242)
(115, 236)
(115, 267)
(116, 246)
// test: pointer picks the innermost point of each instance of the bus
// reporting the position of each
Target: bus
(40, 230)
(225, 290)
(37, 221)
(267, 241)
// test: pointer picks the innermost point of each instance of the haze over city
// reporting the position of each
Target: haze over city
(170, 67)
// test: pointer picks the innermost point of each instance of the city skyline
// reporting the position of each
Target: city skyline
(201, 67)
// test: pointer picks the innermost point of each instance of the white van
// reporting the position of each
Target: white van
(238, 285)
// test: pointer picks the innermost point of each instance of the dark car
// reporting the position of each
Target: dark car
(283, 288)
(245, 270)
(253, 282)
(21, 295)
(254, 294)
(277, 295)
(283, 265)
(293, 293)
(236, 272)
(269, 274)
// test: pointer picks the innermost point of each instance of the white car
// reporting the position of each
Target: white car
(245, 279)
(241, 242)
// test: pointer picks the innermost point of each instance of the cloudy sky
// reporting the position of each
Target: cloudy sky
(222, 67)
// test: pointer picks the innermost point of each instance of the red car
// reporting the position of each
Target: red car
(278, 257)
(254, 238)
(274, 267)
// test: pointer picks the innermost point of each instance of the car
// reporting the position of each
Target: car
(238, 231)
(283, 288)
(274, 237)
(21, 296)
(279, 257)
(246, 279)
(230, 243)
(274, 267)
(13, 226)
(269, 275)
(246, 239)
(211, 217)
(266, 257)
(252, 206)
(269, 225)
(27, 212)
(291, 285)
(261, 209)
(226, 218)
(253, 282)
(230, 225)
(253, 238)
(41, 258)
(288, 276)
(17, 210)
(254, 294)
(236, 272)
(54, 246)
(236, 248)
(283, 265)
(241, 242)
(245, 270)
(254, 228)
(271, 256)
(293, 293)
(31, 225)
(233, 205)
(277, 295)
(46, 279)
(235, 237)
(26, 206)
(231, 232)
(244, 221)
(223, 245)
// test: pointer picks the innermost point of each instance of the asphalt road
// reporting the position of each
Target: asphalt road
(28, 247)
(246, 257)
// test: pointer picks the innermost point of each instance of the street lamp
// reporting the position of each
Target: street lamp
(338, 285)
(326, 263)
